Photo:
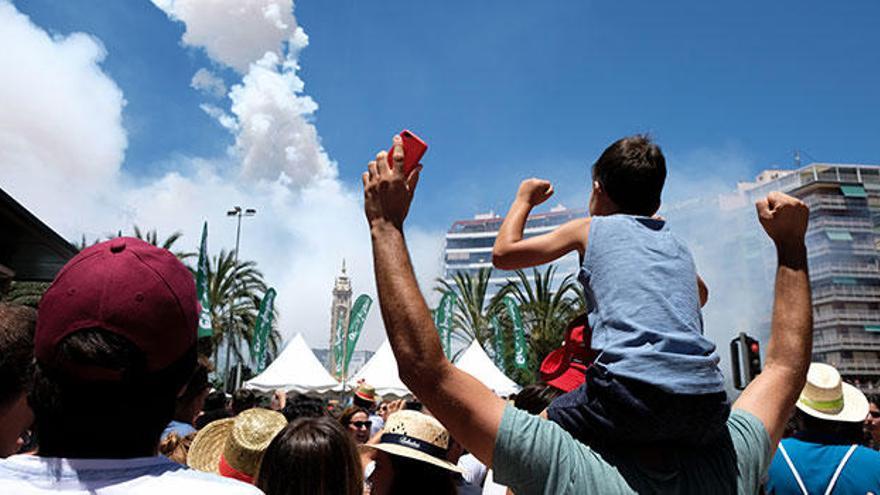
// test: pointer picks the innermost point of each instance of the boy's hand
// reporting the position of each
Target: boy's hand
(387, 193)
(534, 191)
(783, 217)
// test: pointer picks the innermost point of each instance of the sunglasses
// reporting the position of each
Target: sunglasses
(362, 424)
(874, 414)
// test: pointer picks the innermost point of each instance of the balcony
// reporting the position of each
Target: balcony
(863, 270)
(863, 224)
(857, 367)
(853, 293)
(843, 317)
(823, 343)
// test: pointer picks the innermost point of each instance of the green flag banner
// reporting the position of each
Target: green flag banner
(339, 343)
(262, 328)
(443, 321)
(205, 327)
(356, 320)
(499, 343)
(519, 335)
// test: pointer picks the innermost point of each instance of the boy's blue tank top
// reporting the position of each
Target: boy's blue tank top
(643, 306)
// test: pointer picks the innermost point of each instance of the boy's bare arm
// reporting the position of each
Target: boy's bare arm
(511, 251)
(773, 393)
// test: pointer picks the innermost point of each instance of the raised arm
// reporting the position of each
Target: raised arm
(773, 393)
(511, 251)
(470, 411)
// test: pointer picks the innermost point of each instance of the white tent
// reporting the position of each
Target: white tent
(296, 369)
(476, 363)
(381, 373)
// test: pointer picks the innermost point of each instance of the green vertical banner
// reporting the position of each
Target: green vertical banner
(443, 321)
(262, 328)
(356, 320)
(339, 344)
(519, 335)
(205, 327)
(499, 343)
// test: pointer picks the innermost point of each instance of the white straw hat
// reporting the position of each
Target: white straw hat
(416, 436)
(827, 396)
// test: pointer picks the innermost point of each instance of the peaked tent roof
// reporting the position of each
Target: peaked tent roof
(476, 363)
(296, 369)
(381, 373)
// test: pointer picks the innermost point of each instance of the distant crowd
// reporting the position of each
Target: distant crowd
(102, 391)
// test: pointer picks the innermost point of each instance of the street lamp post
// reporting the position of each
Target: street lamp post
(237, 212)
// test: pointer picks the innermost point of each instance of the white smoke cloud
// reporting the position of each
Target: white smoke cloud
(210, 83)
(237, 32)
(62, 145)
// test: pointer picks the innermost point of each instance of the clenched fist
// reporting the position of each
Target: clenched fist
(783, 217)
(534, 191)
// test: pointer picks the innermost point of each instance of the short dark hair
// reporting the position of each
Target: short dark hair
(414, 476)
(244, 399)
(632, 172)
(17, 325)
(302, 406)
(69, 411)
(846, 432)
(311, 455)
(536, 397)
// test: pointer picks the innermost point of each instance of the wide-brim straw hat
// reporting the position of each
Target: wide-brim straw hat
(417, 436)
(827, 396)
(234, 447)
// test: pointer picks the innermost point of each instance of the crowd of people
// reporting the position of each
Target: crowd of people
(102, 391)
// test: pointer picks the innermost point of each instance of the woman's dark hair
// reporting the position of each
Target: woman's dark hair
(349, 412)
(244, 399)
(69, 411)
(16, 350)
(412, 476)
(632, 172)
(311, 455)
(536, 397)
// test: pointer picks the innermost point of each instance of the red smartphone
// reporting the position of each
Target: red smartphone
(413, 151)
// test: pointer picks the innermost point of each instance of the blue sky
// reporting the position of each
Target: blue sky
(500, 90)
(505, 90)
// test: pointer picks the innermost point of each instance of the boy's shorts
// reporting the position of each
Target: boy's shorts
(612, 410)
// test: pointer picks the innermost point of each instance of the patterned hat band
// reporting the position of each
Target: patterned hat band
(414, 443)
(825, 406)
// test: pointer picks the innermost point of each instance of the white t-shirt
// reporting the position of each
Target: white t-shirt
(32, 475)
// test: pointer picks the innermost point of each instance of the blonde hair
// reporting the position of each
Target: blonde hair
(176, 447)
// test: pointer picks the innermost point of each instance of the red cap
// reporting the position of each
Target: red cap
(128, 287)
(564, 368)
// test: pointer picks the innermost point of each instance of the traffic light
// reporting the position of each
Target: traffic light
(745, 357)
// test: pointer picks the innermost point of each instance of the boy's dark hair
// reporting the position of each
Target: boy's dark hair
(841, 431)
(17, 325)
(632, 172)
(69, 411)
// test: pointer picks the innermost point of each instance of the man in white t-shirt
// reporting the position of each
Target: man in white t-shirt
(115, 344)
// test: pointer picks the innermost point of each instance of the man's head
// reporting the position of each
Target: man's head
(192, 401)
(244, 399)
(828, 407)
(16, 371)
(628, 178)
(118, 324)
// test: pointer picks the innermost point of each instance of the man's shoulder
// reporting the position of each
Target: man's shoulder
(191, 478)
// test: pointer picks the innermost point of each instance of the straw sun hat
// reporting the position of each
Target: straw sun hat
(416, 436)
(826, 396)
(234, 447)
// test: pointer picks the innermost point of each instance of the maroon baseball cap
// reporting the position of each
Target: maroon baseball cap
(565, 367)
(125, 286)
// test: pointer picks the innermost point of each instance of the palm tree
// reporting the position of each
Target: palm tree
(546, 307)
(473, 313)
(152, 237)
(235, 289)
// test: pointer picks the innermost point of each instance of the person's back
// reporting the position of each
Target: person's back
(118, 323)
(643, 305)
